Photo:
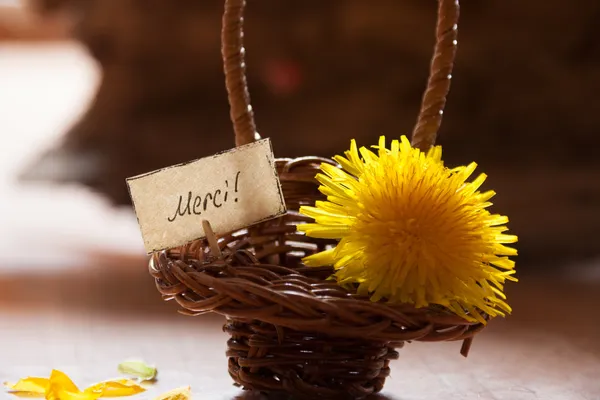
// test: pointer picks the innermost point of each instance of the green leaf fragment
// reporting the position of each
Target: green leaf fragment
(138, 369)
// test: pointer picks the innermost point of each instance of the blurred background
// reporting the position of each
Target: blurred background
(94, 91)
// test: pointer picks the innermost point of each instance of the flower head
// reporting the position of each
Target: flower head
(412, 230)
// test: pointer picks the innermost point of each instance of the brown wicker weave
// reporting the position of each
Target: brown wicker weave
(292, 329)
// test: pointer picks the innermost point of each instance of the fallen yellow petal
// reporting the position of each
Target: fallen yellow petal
(183, 393)
(31, 385)
(115, 388)
(56, 392)
(61, 387)
(60, 379)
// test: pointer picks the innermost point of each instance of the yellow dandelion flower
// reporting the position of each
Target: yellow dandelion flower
(412, 230)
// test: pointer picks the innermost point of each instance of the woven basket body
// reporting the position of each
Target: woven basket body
(293, 329)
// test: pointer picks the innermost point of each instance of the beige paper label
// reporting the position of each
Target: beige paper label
(231, 190)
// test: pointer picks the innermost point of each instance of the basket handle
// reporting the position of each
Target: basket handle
(440, 74)
(232, 51)
(432, 104)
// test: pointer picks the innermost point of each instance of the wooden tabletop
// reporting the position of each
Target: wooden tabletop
(88, 318)
(76, 295)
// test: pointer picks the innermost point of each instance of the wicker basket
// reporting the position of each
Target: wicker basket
(292, 329)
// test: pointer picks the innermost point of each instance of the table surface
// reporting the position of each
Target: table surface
(85, 320)
(76, 294)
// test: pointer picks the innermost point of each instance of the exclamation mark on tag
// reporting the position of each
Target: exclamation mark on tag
(237, 177)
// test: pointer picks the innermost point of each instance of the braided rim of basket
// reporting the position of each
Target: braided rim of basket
(241, 275)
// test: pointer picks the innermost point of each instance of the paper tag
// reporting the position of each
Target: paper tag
(232, 190)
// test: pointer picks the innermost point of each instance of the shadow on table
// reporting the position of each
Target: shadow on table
(249, 395)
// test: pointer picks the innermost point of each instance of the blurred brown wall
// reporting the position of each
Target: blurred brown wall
(523, 102)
